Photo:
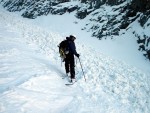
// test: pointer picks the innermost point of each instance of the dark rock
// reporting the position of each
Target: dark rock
(82, 14)
(144, 18)
(131, 13)
(141, 41)
(124, 25)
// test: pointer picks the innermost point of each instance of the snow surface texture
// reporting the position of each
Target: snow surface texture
(31, 75)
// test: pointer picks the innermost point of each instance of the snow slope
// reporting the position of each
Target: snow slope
(123, 47)
(31, 75)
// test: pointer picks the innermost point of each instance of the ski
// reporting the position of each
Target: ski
(69, 81)
(68, 84)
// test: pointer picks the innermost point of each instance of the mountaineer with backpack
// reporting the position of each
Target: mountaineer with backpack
(67, 50)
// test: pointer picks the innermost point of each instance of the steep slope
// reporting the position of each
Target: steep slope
(112, 86)
(106, 19)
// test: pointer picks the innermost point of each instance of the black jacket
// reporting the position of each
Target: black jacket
(72, 47)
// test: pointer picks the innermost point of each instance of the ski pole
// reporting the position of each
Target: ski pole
(82, 69)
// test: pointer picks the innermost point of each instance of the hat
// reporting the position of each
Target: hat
(72, 36)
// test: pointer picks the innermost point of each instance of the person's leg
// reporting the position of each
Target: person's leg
(67, 64)
(72, 67)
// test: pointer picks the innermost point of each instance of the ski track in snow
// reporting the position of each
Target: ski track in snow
(31, 76)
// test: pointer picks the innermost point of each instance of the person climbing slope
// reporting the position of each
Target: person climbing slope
(69, 52)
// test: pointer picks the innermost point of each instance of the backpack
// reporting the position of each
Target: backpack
(63, 49)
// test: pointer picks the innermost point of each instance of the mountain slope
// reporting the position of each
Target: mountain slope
(112, 86)
(106, 19)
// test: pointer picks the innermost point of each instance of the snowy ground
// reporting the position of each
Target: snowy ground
(31, 73)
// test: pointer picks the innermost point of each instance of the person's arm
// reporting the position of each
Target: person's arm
(73, 49)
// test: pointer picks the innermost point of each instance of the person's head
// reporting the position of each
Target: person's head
(72, 37)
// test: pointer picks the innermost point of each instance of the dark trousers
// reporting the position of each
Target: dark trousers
(70, 65)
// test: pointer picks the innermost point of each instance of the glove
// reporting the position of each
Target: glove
(77, 55)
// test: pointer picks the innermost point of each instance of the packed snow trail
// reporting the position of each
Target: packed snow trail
(31, 76)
